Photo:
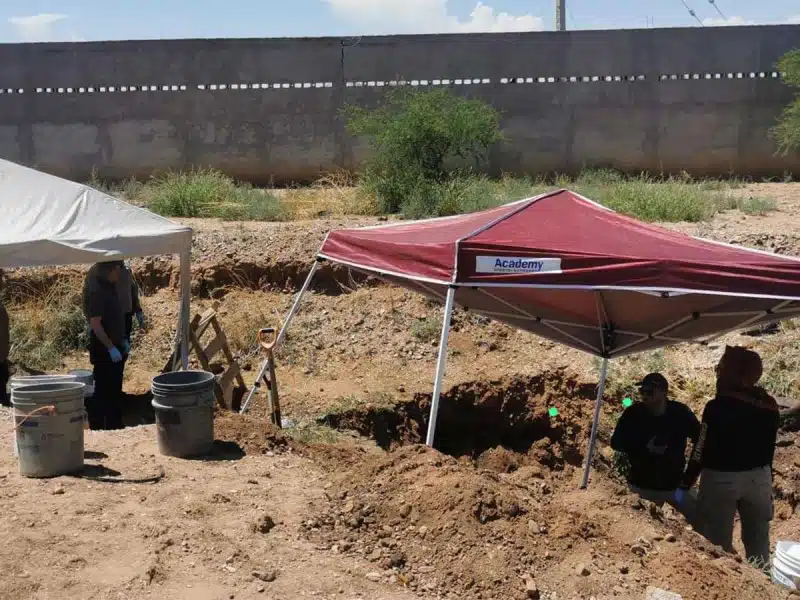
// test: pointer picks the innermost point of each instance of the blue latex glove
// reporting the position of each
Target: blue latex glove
(680, 496)
(140, 319)
(115, 354)
(126, 347)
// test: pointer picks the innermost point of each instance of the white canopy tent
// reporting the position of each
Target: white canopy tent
(49, 221)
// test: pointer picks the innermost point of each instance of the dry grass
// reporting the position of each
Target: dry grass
(47, 323)
(335, 194)
(210, 193)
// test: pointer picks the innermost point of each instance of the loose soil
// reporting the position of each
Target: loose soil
(494, 512)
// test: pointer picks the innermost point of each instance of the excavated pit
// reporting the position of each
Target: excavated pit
(209, 280)
(498, 422)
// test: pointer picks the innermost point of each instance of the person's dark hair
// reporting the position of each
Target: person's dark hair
(739, 367)
(104, 268)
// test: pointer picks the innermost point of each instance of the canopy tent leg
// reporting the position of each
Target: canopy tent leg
(601, 386)
(440, 363)
(186, 294)
(281, 334)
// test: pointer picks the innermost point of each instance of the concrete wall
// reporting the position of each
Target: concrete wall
(694, 99)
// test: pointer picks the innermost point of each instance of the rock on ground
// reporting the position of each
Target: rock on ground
(659, 594)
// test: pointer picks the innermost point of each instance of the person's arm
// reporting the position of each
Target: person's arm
(692, 425)
(776, 425)
(622, 440)
(100, 332)
(696, 459)
(95, 310)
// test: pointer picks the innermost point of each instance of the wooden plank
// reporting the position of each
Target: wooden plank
(228, 376)
(227, 397)
(217, 344)
(220, 395)
(200, 325)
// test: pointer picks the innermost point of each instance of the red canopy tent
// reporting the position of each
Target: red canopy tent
(568, 269)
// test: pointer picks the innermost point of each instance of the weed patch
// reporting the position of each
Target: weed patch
(46, 326)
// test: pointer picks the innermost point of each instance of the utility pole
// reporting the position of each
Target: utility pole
(561, 15)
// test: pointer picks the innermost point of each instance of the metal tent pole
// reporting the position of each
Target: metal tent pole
(186, 294)
(281, 334)
(440, 364)
(601, 386)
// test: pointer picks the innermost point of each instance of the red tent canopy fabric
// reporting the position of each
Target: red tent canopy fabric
(575, 272)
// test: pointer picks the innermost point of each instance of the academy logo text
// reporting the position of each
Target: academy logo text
(518, 265)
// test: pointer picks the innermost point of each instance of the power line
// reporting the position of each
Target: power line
(719, 12)
(691, 12)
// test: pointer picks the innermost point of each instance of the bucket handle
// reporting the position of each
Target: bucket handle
(50, 409)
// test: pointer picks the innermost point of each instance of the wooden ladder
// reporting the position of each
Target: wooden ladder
(224, 387)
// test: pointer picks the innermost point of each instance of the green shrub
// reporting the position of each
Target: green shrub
(190, 193)
(787, 131)
(419, 138)
(211, 194)
(426, 330)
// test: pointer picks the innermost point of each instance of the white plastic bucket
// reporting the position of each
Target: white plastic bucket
(786, 565)
(16, 382)
(48, 423)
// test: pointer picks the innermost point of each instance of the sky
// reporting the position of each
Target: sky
(84, 20)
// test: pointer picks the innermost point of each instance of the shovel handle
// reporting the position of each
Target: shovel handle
(267, 338)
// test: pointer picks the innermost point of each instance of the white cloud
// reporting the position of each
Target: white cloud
(730, 21)
(795, 20)
(428, 16)
(37, 28)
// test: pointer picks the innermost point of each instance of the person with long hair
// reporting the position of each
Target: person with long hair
(733, 456)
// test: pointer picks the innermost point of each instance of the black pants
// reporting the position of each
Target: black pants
(4, 400)
(104, 408)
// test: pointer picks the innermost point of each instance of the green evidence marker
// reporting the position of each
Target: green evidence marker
(553, 411)
(627, 402)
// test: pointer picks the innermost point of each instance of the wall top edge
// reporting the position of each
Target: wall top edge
(431, 37)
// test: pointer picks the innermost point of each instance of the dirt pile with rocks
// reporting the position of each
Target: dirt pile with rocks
(508, 520)
(442, 526)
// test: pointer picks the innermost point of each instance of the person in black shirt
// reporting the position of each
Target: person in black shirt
(735, 453)
(653, 434)
(108, 346)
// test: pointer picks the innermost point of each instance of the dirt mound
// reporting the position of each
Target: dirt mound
(253, 436)
(437, 524)
(502, 516)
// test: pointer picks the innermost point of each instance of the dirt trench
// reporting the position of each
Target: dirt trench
(209, 279)
(481, 416)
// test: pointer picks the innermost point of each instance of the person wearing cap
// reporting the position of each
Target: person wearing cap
(108, 346)
(734, 456)
(653, 434)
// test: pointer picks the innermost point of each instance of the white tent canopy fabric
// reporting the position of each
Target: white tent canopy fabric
(49, 221)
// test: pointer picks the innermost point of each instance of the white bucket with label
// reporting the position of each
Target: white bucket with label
(20, 380)
(786, 565)
(48, 427)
